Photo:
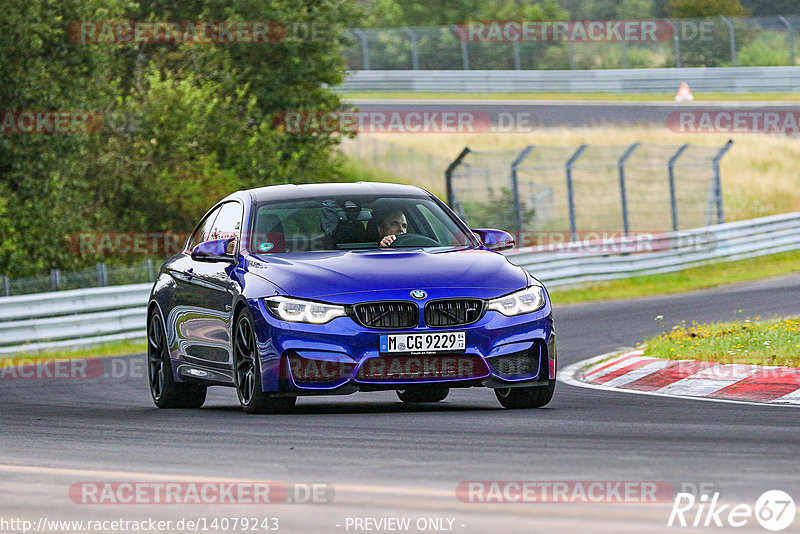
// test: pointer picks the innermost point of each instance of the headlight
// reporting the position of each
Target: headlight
(302, 311)
(526, 300)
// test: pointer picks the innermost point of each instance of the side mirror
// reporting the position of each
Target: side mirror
(214, 250)
(495, 239)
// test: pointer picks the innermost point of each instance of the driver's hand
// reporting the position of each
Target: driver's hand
(388, 240)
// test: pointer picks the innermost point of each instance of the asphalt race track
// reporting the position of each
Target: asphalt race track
(385, 459)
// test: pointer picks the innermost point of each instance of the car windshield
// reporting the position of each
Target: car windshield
(353, 222)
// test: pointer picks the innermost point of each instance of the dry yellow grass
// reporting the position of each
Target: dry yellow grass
(760, 174)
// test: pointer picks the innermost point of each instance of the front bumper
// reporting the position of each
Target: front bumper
(342, 356)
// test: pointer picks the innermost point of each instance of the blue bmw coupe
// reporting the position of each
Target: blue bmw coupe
(316, 289)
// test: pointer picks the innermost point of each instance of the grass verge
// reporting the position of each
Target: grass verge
(703, 277)
(775, 342)
(102, 350)
(648, 97)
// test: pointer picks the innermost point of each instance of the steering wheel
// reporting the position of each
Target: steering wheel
(414, 240)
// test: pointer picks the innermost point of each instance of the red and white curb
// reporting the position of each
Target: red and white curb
(630, 371)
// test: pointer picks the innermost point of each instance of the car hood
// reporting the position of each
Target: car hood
(346, 277)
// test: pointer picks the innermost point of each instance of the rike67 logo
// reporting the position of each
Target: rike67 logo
(774, 510)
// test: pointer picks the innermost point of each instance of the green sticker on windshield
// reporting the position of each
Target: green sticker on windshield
(265, 247)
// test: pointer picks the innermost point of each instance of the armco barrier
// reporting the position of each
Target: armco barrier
(624, 81)
(672, 252)
(87, 316)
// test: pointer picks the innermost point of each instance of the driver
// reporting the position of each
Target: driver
(390, 224)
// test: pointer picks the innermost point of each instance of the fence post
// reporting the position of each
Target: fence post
(623, 195)
(6, 286)
(571, 54)
(515, 189)
(464, 52)
(718, 181)
(672, 200)
(364, 47)
(732, 35)
(570, 192)
(448, 176)
(676, 43)
(414, 52)
(393, 158)
(55, 279)
(517, 58)
(149, 263)
(625, 64)
(789, 38)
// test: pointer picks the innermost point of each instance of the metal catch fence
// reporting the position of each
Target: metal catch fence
(638, 187)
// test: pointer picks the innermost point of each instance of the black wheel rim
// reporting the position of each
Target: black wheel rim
(156, 349)
(244, 357)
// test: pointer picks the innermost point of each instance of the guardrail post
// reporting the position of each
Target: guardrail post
(515, 189)
(364, 47)
(622, 192)
(732, 35)
(672, 200)
(718, 181)
(414, 52)
(675, 43)
(464, 53)
(448, 177)
(570, 193)
(55, 279)
(6, 286)
(789, 38)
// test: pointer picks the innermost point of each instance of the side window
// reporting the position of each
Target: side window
(443, 234)
(228, 224)
(204, 230)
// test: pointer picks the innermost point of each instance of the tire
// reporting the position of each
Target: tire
(247, 372)
(166, 392)
(423, 394)
(531, 397)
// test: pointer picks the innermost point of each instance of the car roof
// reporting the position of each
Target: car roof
(321, 190)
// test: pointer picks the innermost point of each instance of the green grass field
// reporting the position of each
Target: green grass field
(774, 342)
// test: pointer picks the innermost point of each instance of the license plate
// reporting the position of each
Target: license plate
(430, 342)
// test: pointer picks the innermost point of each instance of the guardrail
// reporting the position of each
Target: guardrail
(702, 80)
(87, 316)
(670, 252)
(66, 319)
